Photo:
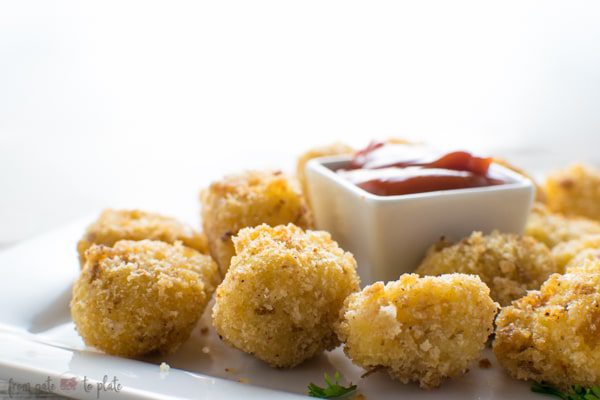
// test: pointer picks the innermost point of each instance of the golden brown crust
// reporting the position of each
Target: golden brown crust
(553, 228)
(246, 200)
(283, 293)
(418, 329)
(509, 264)
(141, 296)
(575, 191)
(564, 252)
(553, 335)
(114, 225)
(586, 261)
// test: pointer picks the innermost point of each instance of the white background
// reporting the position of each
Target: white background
(118, 103)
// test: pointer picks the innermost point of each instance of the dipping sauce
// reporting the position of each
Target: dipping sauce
(391, 169)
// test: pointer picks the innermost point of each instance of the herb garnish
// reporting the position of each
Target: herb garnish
(576, 392)
(333, 389)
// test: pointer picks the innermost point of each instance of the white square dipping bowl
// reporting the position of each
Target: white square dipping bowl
(389, 235)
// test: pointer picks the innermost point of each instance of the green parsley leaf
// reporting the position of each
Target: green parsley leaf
(333, 388)
(576, 392)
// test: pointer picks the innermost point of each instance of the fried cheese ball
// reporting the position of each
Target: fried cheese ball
(283, 293)
(575, 191)
(553, 335)
(418, 329)
(509, 264)
(586, 261)
(334, 149)
(564, 252)
(143, 296)
(553, 228)
(246, 200)
(114, 225)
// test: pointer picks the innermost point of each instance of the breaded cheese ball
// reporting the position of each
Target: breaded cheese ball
(586, 261)
(575, 191)
(283, 293)
(246, 200)
(143, 296)
(418, 329)
(553, 228)
(509, 264)
(114, 225)
(564, 252)
(334, 149)
(553, 335)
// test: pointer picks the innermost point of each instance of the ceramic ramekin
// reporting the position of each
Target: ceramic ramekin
(389, 235)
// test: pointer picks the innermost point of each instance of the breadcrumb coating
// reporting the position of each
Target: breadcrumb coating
(418, 329)
(509, 264)
(334, 149)
(553, 335)
(586, 261)
(553, 228)
(245, 200)
(575, 191)
(283, 293)
(114, 225)
(143, 296)
(563, 253)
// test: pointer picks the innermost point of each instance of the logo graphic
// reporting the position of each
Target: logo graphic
(68, 383)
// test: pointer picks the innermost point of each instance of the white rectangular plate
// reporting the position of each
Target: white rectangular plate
(38, 343)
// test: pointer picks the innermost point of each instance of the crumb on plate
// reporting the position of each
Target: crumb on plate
(164, 367)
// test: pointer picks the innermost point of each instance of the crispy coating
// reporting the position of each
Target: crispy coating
(114, 225)
(553, 228)
(141, 296)
(418, 329)
(539, 191)
(553, 335)
(509, 264)
(283, 293)
(246, 200)
(575, 191)
(334, 149)
(586, 261)
(564, 252)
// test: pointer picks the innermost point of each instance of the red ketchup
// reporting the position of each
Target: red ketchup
(391, 170)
